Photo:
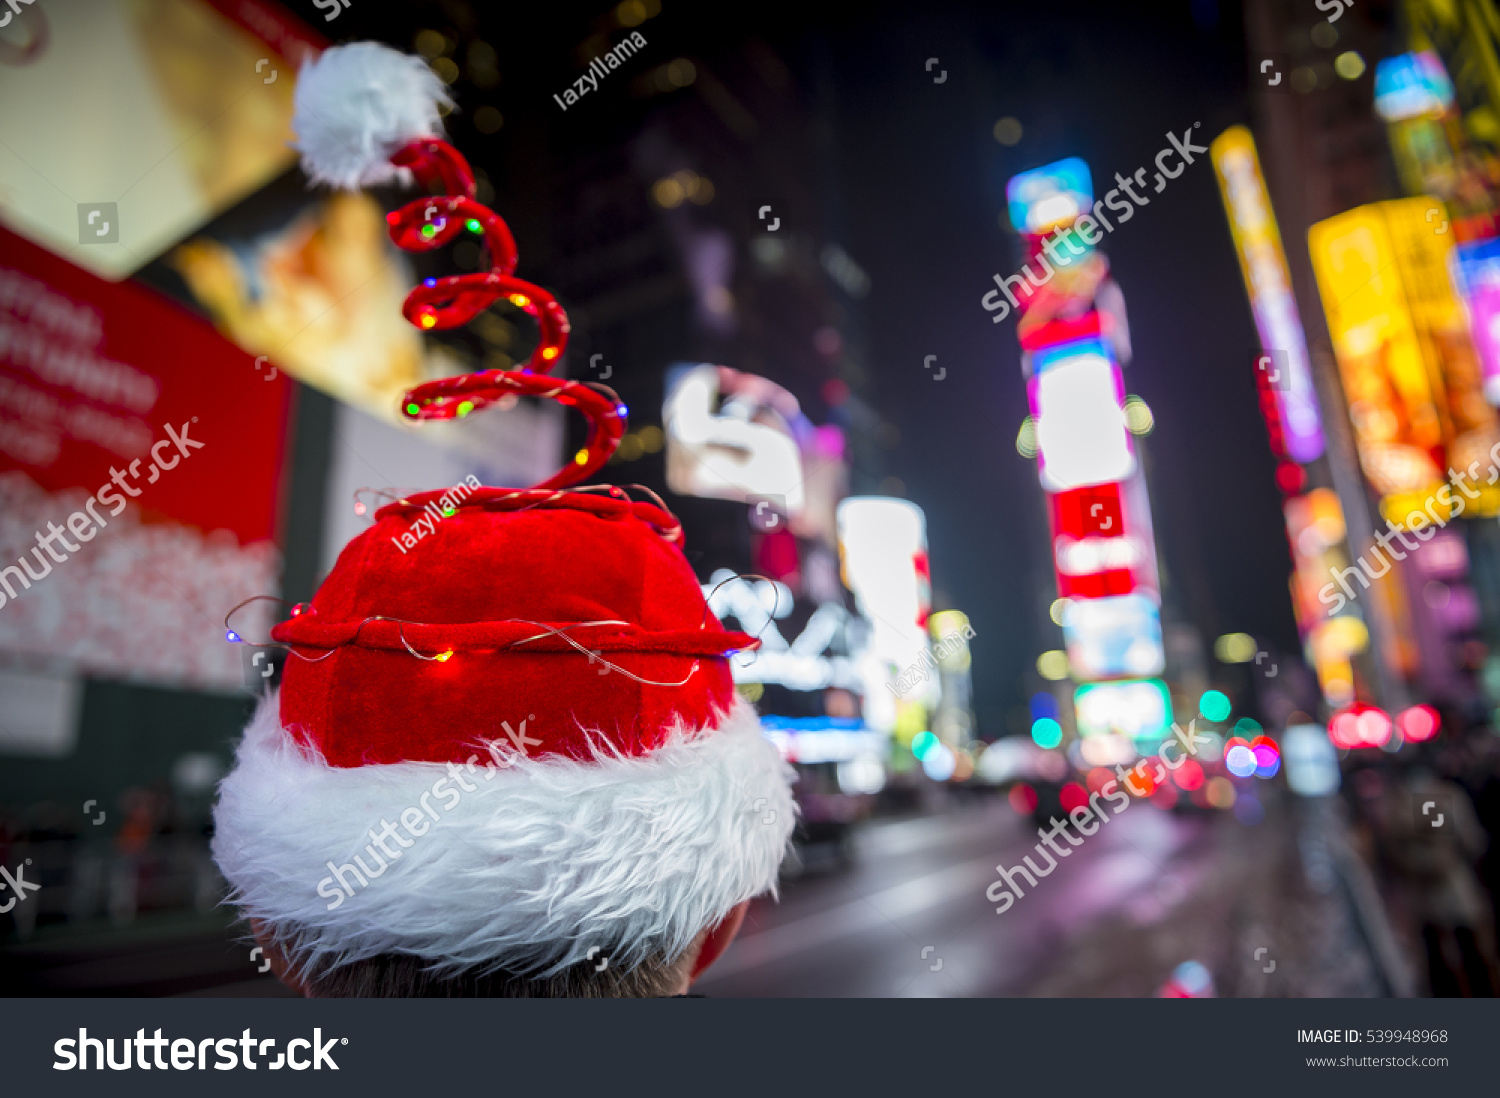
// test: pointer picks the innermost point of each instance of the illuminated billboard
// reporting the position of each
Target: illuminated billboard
(1257, 241)
(728, 437)
(883, 552)
(1387, 376)
(1411, 85)
(1081, 431)
(1141, 710)
(1476, 271)
(1411, 374)
(1113, 637)
(155, 115)
(1049, 197)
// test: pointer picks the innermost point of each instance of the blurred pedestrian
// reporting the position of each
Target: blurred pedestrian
(1433, 837)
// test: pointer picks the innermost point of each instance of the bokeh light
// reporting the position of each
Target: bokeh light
(1188, 776)
(1219, 792)
(1053, 665)
(1240, 761)
(1235, 648)
(1419, 723)
(1022, 798)
(939, 762)
(1046, 732)
(1072, 796)
(1214, 705)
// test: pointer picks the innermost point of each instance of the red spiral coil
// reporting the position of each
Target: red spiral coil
(450, 302)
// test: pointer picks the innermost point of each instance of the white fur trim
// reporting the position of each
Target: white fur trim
(356, 105)
(542, 861)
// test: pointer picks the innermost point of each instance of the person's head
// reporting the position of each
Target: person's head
(446, 797)
(507, 756)
(401, 976)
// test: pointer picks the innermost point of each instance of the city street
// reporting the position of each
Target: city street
(1144, 894)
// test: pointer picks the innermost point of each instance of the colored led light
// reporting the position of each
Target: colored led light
(473, 225)
(412, 409)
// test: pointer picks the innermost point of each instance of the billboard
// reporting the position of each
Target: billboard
(1257, 241)
(1476, 273)
(1081, 431)
(1410, 372)
(729, 436)
(142, 121)
(1387, 378)
(140, 460)
(1049, 197)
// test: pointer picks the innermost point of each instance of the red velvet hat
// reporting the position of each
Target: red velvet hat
(507, 732)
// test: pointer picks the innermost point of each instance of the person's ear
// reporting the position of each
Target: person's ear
(279, 966)
(718, 939)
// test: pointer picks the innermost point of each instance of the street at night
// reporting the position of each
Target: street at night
(751, 504)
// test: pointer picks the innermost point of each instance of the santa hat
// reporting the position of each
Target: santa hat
(507, 735)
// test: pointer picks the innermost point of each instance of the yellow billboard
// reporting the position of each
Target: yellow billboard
(1408, 372)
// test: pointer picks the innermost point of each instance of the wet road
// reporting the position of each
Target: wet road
(910, 917)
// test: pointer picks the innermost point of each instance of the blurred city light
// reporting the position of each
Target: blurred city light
(1214, 705)
(1418, 723)
(1312, 762)
(1235, 648)
(1046, 732)
(1053, 665)
(1360, 725)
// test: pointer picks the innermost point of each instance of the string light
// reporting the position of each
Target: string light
(457, 299)
(233, 637)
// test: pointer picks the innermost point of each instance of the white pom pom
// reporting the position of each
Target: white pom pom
(356, 105)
